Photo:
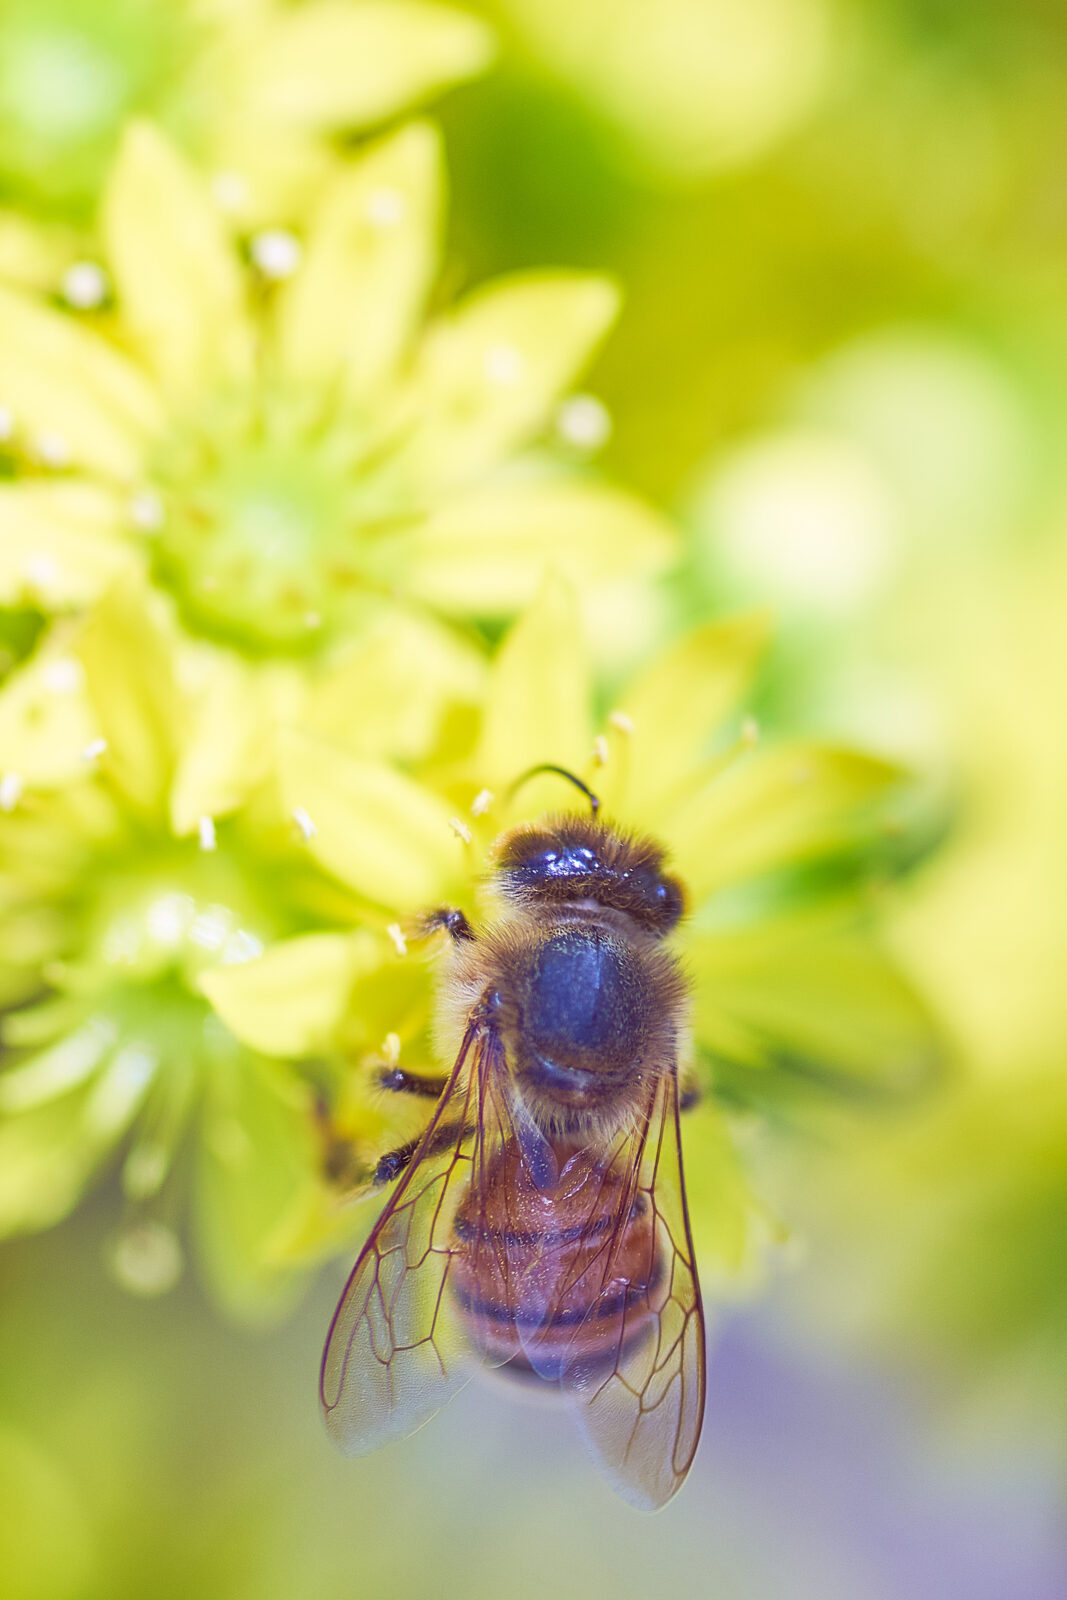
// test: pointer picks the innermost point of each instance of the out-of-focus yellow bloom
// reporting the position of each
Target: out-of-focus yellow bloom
(112, 923)
(255, 90)
(170, 993)
(692, 86)
(304, 469)
(969, 1199)
(789, 982)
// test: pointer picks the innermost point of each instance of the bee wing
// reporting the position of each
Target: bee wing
(396, 1351)
(642, 1407)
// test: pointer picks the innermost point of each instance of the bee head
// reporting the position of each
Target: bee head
(568, 859)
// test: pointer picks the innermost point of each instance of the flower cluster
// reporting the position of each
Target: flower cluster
(264, 501)
(258, 90)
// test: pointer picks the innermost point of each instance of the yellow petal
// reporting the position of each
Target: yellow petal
(61, 543)
(265, 172)
(290, 1001)
(730, 1224)
(375, 829)
(130, 681)
(47, 1159)
(226, 749)
(489, 374)
(256, 1154)
(46, 721)
(332, 64)
(677, 704)
(65, 385)
(810, 995)
(64, 1065)
(177, 276)
(369, 261)
(772, 808)
(387, 697)
(537, 707)
(324, 1223)
(31, 256)
(487, 552)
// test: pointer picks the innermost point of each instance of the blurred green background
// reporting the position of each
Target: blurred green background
(842, 232)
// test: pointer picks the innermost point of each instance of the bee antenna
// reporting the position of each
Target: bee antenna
(561, 772)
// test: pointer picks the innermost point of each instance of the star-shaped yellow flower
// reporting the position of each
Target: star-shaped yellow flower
(112, 922)
(789, 981)
(310, 469)
(167, 993)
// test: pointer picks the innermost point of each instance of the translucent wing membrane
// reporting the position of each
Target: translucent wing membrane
(640, 1402)
(395, 1350)
(571, 1264)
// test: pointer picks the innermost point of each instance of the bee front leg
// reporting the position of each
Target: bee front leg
(690, 1093)
(454, 923)
(430, 1087)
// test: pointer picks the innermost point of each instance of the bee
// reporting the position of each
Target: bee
(539, 1223)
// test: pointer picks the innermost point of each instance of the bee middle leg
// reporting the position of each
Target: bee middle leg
(394, 1162)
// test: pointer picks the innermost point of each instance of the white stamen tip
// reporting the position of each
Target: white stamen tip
(230, 191)
(147, 1259)
(52, 450)
(64, 675)
(481, 802)
(396, 933)
(584, 422)
(503, 364)
(10, 791)
(277, 253)
(600, 750)
(386, 207)
(391, 1049)
(750, 731)
(205, 832)
(460, 829)
(7, 424)
(85, 286)
(41, 571)
(803, 772)
(146, 511)
(620, 720)
(304, 825)
(94, 749)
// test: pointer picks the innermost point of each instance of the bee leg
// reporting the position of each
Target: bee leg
(689, 1095)
(393, 1163)
(454, 923)
(401, 1082)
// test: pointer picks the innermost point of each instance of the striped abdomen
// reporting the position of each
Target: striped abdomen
(545, 1278)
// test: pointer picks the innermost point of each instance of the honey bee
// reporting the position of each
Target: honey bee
(539, 1223)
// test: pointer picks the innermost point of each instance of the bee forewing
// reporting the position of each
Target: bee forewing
(396, 1352)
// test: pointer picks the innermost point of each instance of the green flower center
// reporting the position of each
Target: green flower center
(71, 72)
(172, 911)
(20, 629)
(267, 524)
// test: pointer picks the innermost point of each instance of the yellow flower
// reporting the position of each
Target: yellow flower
(254, 89)
(305, 469)
(112, 924)
(167, 992)
(790, 984)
